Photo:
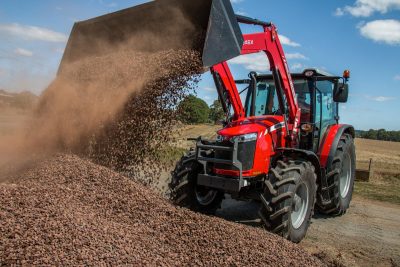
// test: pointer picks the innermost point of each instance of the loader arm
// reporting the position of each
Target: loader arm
(269, 43)
(222, 74)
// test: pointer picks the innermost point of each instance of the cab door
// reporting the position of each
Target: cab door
(325, 110)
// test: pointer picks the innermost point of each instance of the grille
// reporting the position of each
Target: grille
(245, 155)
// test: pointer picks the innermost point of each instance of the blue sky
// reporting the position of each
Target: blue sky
(360, 35)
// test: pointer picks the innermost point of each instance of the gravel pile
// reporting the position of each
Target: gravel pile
(69, 211)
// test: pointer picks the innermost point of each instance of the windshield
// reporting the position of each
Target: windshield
(266, 102)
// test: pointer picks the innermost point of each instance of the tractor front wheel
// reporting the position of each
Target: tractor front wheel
(287, 203)
(185, 192)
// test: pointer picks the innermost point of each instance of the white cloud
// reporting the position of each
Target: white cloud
(381, 98)
(253, 62)
(296, 56)
(386, 31)
(286, 41)
(28, 32)
(242, 13)
(236, 1)
(397, 77)
(365, 8)
(297, 66)
(339, 12)
(259, 62)
(23, 52)
(209, 89)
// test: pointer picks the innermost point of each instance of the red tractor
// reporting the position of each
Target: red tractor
(283, 146)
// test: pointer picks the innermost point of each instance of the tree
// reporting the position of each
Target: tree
(371, 134)
(193, 110)
(216, 112)
(380, 134)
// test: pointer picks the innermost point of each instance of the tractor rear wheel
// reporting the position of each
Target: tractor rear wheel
(185, 192)
(287, 203)
(340, 178)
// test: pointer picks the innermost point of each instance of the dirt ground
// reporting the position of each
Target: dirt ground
(367, 235)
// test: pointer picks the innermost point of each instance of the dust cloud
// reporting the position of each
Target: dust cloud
(116, 107)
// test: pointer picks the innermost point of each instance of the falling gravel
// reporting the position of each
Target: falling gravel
(117, 109)
(69, 211)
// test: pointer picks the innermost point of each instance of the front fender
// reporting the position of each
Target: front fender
(307, 155)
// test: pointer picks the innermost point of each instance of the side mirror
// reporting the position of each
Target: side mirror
(341, 92)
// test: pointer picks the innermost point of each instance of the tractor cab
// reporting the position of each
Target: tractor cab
(318, 95)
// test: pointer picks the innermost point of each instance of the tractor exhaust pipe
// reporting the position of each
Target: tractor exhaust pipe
(208, 26)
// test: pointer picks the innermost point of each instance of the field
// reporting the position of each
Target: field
(385, 178)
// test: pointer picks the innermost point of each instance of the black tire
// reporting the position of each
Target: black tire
(343, 163)
(279, 199)
(185, 192)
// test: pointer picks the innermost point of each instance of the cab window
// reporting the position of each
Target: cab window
(266, 102)
(301, 88)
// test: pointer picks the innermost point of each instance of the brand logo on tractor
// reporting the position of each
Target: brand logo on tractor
(249, 42)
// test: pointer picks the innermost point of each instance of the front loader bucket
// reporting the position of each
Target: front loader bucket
(208, 26)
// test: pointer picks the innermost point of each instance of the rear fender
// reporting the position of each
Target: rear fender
(330, 142)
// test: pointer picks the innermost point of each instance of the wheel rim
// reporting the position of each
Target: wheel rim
(345, 176)
(299, 206)
(205, 195)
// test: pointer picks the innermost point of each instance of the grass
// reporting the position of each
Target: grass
(169, 155)
(386, 188)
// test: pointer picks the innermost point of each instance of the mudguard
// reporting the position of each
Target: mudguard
(330, 142)
(308, 155)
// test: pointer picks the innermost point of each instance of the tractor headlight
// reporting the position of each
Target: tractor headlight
(220, 138)
(245, 138)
